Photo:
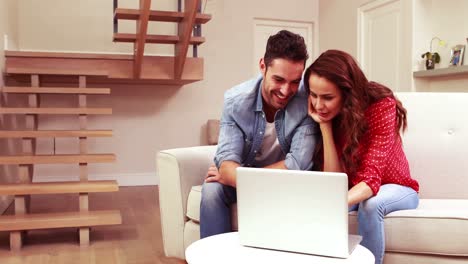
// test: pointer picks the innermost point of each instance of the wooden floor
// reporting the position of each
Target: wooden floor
(137, 240)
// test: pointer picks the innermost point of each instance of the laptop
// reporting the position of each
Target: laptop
(296, 211)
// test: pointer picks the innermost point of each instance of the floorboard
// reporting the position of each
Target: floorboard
(137, 240)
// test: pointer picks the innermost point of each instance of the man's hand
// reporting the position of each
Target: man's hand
(212, 175)
(225, 175)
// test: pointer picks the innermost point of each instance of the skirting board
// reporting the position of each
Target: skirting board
(128, 179)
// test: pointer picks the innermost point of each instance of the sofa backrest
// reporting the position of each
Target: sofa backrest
(212, 131)
(436, 142)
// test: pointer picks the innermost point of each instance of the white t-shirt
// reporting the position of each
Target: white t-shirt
(270, 150)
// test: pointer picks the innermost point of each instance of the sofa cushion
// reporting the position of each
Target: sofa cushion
(435, 227)
(193, 203)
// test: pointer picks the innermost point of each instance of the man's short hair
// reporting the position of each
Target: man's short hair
(285, 45)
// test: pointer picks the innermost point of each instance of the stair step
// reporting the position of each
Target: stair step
(59, 158)
(59, 220)
(59, 187)
(55, 90)
(54, 133)
(48, 71)
(56, 111)
(161, 39)
(156, 70)
(162, 16)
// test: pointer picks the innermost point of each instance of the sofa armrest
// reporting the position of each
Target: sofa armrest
(179, 170)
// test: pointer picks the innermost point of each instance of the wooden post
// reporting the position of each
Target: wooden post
(185, 32)
(141, 33)
(83, 199)
(16, 237)
(26, 171)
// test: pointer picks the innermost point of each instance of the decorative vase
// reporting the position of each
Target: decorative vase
(430, 64)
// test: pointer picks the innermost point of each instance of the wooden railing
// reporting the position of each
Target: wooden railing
(188, 21)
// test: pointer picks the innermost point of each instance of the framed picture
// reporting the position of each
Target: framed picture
(456, 55)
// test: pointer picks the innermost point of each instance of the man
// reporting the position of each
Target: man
(264, 124)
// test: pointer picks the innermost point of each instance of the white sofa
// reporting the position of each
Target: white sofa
(436, 144)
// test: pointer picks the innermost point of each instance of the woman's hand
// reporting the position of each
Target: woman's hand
(315, 116)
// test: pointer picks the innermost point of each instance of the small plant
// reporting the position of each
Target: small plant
(432, 57)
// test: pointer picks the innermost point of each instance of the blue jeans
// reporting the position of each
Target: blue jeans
(371, 212)
(215, 212)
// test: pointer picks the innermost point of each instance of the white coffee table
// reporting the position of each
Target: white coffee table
(226, 249)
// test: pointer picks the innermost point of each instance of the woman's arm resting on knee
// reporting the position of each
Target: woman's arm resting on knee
(359, 193)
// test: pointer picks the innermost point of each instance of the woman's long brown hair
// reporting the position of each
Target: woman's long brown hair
(358, 93)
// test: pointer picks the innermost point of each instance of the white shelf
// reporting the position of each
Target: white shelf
(441, 72)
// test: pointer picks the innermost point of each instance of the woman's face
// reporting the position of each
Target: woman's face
(325, 98)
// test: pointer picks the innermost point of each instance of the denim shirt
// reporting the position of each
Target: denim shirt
(243, 124)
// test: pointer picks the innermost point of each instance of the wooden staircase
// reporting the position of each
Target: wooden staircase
(23, 68)
(22, 219)
(178, 69)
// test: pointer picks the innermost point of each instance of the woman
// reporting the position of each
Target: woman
(360, 123)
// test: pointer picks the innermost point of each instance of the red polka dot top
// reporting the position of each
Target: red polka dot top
(381, 150)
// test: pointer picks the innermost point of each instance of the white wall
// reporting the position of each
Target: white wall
(8, 9)
(339, 30)
(82, 26)
(338, 25)
(152, 118)
(446, 20)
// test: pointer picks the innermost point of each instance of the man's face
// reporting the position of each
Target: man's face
(280, 81)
